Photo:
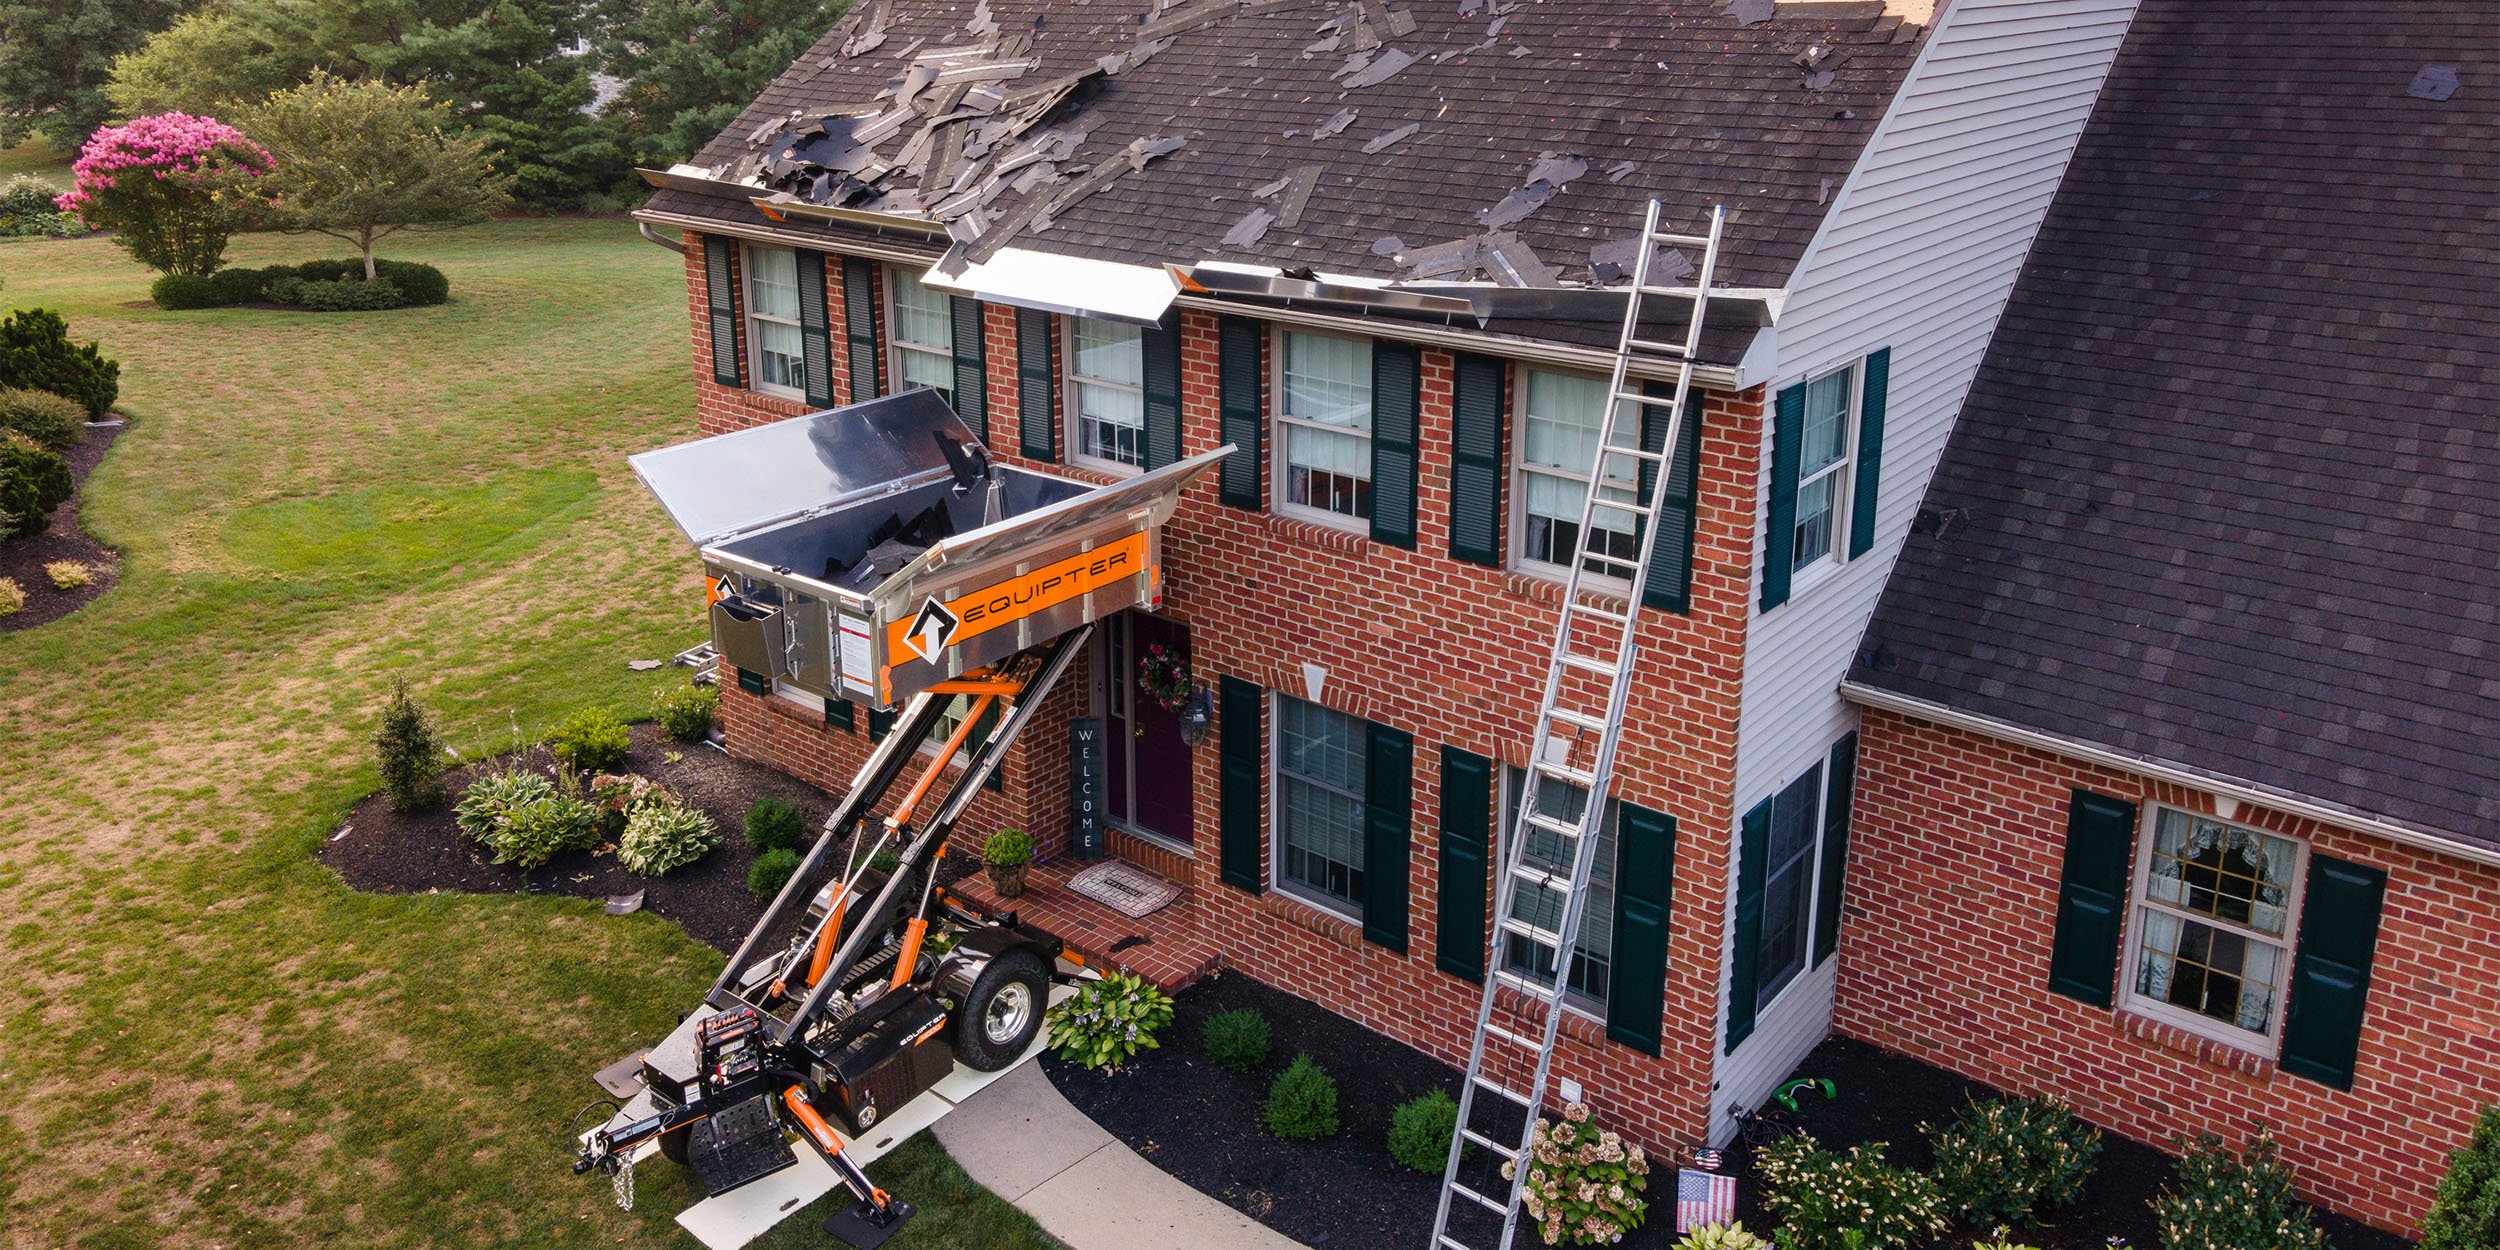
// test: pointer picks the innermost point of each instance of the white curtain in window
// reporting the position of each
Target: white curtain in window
(2161, 941)
(1329, 380)
(1108, 352)
(922, 317)
(775, 282)
(2257, 982)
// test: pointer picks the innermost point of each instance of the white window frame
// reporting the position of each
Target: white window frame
(1073, 379)
(1280, 468)
(896, 346)
(751, 318)
(1843, 473)
(1507, 794)
(1519, 472)
(1285, 883)
(2268, 1044)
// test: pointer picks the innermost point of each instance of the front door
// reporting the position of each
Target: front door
(1146, 764)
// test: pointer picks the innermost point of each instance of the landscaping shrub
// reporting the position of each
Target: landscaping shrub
(1584, 1184)
(771, 871)
(773, 824)
(181, 292)
(1420, 1130)
(56, 421)
(2009, 1160)
(2466, 1214)
(12, 597)
(591, 741)
(1007, 848)
(235, 286)
(334, 294)
(2005, 1241)
(662, 837)
(416, 283)
(154, 182)
(1721, 1237)
(1302, 1104)
(410, 753)
(490, 798)
(1108, 1020)
(36, 354)
(533, 832)
(27, 210)
(2227, 1200)
(69, 574)
(33, 481)
(1236, 1039)
(685, 712)
(1855, 1201)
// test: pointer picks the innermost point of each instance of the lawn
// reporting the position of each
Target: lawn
(207, 1039)
(36, 157)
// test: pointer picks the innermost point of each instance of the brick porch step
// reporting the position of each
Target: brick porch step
(1174, 954)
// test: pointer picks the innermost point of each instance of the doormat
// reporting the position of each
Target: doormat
(1128, 890)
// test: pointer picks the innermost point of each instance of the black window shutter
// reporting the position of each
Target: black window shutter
(1744, 969)
(815, 329)
(720, 289)
(839, 715)
(859, 326)
(1388, 804)
(1870, 467)
(1841, 779)
(972, 385)
(1161, 348)
(1779, 528)
(1397, 383)
(1241, 401)
(1466, 839)
(2331, 974)
(1037, 396)
(1476, 460)
(2091, 897)
(1644, 884)
(1237, 856)
(754, 683)
(1670, 585)
(880, 723)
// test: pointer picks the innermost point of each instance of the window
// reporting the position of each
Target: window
(923, 330)
(1560, 415)
(1324, 404)
(1320, 772)
(780, 356)
(1788, 884)
(1592, 954)
(1106, 392)
(2213, 925)
(1823, 467)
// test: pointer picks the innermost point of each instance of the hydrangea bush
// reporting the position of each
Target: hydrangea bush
(154, 182)
(1584, 1183)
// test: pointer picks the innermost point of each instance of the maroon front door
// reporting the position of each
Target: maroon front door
(1147, 766)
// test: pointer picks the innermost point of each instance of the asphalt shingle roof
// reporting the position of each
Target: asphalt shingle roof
(1705, 108)
(2227, 490)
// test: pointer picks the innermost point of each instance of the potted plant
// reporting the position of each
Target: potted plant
(1006, 856)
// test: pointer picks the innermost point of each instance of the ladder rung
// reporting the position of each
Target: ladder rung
(1542, 937)
(1666, 290)
(1592, 557)
(1608, 615)
(1580, 720)
(1653, 345)
(1580, 777)
(1692, 240)
(1520, 1040)
(1590, 664)
(1640, 397)
(1554, 825)
(1497, 1208)
(1634, 509)
(1507, 1152)
(1452, 1243)
(1504, 1090)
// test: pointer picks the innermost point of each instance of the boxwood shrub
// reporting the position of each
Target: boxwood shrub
(33, 481)
(36, 354)
(55, 421)
(771, 871)
(773, 824)
(318, 285)
(591, 741)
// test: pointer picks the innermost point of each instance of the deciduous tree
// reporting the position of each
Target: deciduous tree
(155, 182)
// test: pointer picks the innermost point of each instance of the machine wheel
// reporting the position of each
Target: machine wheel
(1003, 1011)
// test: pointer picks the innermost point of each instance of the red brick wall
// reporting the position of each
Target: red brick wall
(1450, 652)
(1955, 851)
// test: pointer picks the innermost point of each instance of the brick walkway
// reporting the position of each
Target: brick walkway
(1176, 951)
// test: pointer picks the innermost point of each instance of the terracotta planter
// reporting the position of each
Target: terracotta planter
(1007, 879)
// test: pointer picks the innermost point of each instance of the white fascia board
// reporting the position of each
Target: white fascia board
(1135, 295)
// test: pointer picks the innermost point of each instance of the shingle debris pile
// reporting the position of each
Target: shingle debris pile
(1510, 140)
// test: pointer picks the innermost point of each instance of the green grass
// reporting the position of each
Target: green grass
(206, 1038)
(36, 157)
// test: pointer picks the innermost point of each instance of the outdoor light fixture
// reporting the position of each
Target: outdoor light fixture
(1196, 715)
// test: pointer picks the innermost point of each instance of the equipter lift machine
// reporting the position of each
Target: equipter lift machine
(872, 553)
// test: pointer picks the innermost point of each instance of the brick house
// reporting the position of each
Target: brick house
(1368, 590)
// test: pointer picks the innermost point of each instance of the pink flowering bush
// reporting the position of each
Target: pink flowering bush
(1584, 1184)
(154, 182)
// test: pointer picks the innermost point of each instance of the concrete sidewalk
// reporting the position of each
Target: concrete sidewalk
(1030, 1146)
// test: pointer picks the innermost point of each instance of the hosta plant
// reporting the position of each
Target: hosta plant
(1109, 1020)
(1826, 1200)
(1721, 1237)
(662, 837)
(1584, 1183)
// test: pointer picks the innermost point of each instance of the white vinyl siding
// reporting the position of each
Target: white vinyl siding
(1320, 771)
(922, 325)
(1106, 393)
(777, 354)
(1324, 423)
(2210, 940)
(1560, 415)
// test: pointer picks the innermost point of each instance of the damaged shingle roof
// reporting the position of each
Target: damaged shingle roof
(1479, 116)
(2227, 490)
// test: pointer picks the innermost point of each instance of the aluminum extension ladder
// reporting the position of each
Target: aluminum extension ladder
(1579, 723)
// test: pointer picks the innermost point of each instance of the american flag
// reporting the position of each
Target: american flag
(1703, 1198)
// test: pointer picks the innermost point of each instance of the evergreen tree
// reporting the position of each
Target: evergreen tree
(2466, 1214)
(689, 67)
(55, 56)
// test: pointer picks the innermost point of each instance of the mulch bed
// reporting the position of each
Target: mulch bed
(22, 559)
(1202, 1123)
(390, 852)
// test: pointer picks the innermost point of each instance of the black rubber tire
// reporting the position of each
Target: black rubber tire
(1012, 973)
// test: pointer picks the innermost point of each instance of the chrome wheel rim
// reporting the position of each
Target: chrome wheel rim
(1010, 1008)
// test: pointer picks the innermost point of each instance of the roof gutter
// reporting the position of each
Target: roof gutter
(2161, 770)
(1557, 355)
